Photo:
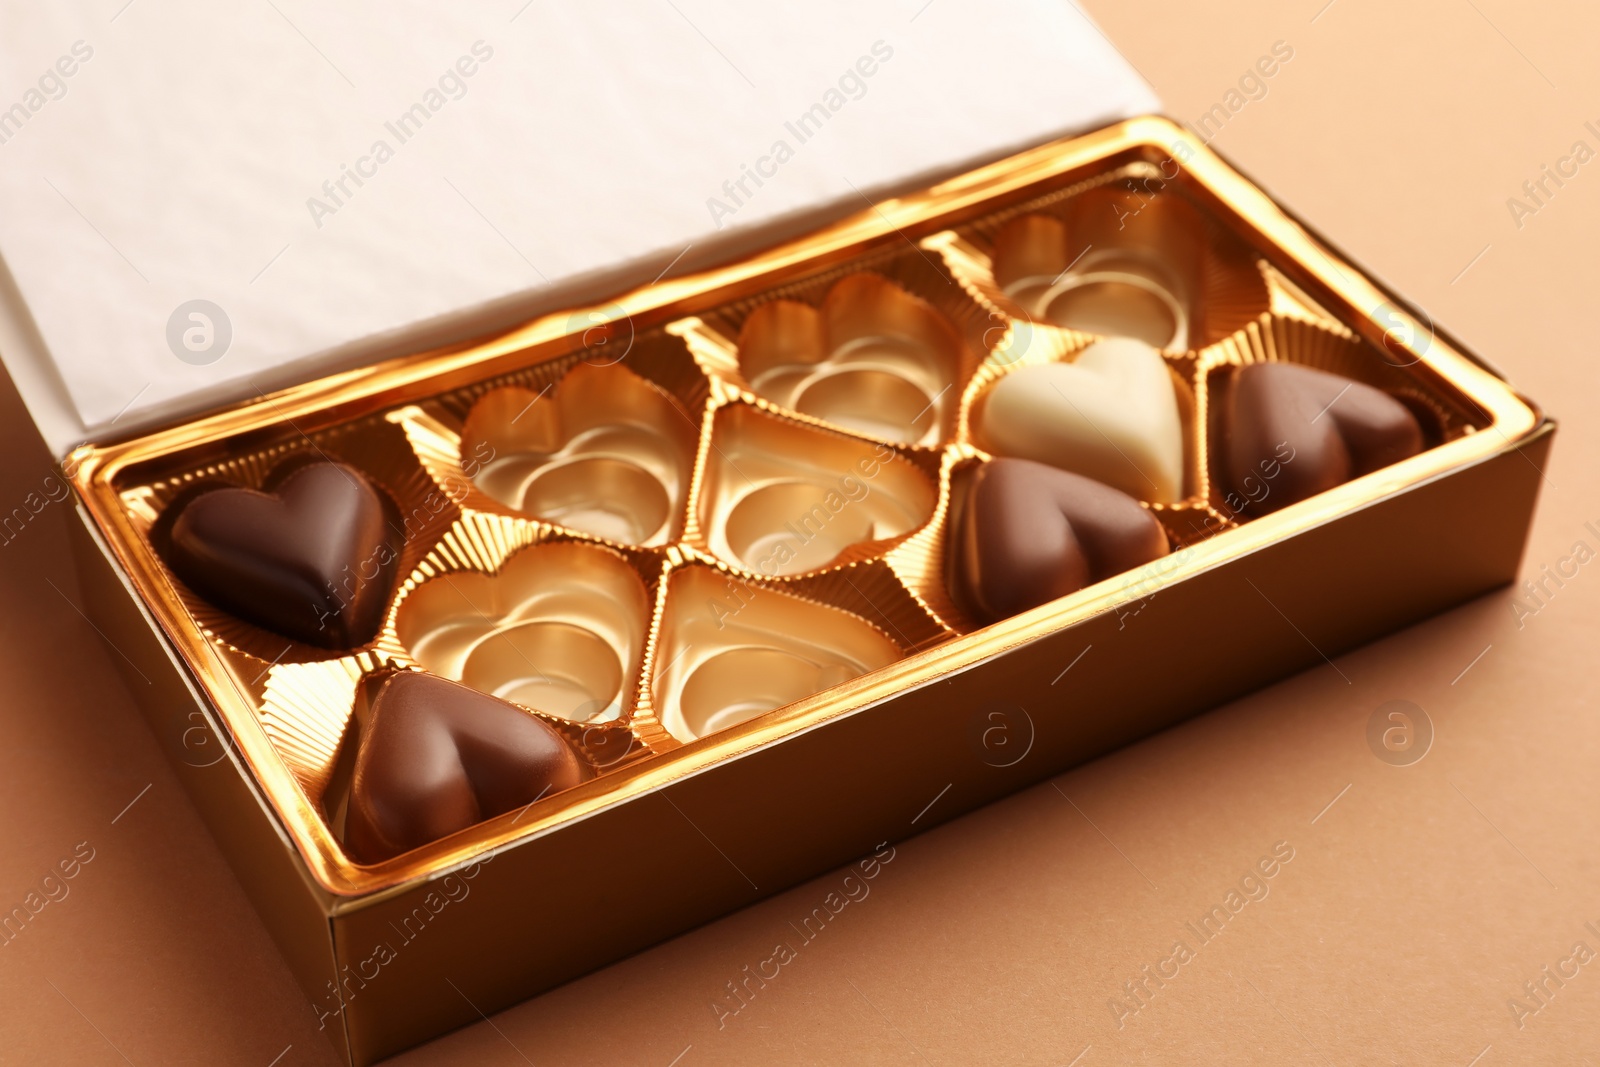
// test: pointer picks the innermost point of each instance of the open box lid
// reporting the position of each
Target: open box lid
(346, 184)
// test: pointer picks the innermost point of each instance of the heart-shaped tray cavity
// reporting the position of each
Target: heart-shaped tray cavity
(873, 359)
(559, 628)
(781, 498)
(1128, 259)
(604, 453)
(731, 650)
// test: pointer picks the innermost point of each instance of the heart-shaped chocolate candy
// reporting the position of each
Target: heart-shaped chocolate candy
(1029, 533)
(435, 757)
(1290, 432)
(1111, 414)
(312, 557)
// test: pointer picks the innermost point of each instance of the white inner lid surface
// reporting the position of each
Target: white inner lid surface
(186, 154)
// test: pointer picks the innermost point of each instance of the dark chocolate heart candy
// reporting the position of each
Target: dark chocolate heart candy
(435, 757)
(312, 558)
(1030, 533)
(1289, 432)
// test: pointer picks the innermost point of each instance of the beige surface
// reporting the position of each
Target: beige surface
(1414, 906)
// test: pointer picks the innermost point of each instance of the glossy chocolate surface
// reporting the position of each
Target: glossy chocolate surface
(435, 757)
(1030, 533)
(312, 557)
(1290, 432)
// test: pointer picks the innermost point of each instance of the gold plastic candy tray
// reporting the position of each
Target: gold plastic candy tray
(713, 514)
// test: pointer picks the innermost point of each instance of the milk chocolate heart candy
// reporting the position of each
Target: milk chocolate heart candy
(1031, 533)
(312, 557)
(1289, 432)
(435, 757)
(1111, 415)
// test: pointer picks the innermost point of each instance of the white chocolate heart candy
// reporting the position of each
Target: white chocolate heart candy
(1111, 415)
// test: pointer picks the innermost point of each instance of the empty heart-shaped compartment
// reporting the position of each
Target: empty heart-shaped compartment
(604, 453)
(1128, 261)
(731, 650)
(560, 628)
(872, 358)
(781, 498)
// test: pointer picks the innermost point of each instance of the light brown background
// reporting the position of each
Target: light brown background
(1415, 905)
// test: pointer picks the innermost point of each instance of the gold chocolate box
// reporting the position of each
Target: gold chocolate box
(704, 532)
